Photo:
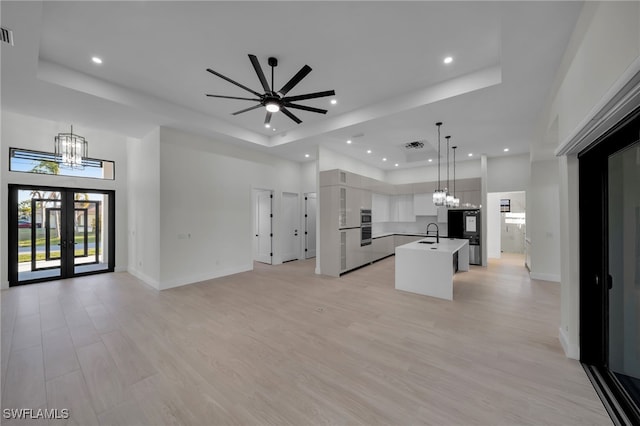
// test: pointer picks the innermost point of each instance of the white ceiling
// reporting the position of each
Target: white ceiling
(383, 59)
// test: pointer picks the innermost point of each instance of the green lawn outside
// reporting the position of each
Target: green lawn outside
(26, 257)
(24, 238)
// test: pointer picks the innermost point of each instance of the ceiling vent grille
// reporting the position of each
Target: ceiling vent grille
(6, 36)
(414, 145)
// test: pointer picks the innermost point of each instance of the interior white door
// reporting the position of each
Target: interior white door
(290, 226)
(262, 226)
(310, 224)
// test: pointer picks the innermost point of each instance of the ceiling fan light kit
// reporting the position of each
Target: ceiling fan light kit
(275, 101)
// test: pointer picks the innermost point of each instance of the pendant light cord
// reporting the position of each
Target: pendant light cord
(439, 124)
(447, 138)
(454, 170)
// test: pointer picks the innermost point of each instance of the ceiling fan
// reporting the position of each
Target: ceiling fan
(275, 101)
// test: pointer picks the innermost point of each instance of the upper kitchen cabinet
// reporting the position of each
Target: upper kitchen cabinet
(341, 177)
(423, 205)
(402, 208)
(380, 206)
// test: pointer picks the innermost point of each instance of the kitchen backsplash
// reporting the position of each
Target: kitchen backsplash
(419, 226)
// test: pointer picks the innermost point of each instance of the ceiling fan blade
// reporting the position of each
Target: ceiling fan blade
(246, 109)
(291, 116)
(233, 97)
(267, 119)
(309, 96)
(306, 108)
(234, 82)
(258, 68)
(295, 79)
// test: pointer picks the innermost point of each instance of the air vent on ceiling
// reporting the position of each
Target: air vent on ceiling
(414, 145)
(6, 35)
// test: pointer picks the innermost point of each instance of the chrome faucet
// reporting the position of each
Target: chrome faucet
(437, 231)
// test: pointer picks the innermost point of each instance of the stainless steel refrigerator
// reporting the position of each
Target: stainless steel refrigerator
(465, 223)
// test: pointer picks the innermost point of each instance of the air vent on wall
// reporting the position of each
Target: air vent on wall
(414, 145)
(6, 35)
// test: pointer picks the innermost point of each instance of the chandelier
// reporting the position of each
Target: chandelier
(71, 150)
(439, 196)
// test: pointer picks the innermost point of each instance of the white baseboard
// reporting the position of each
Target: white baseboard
(545, 277)
(204, 277)
(145, 278)
(571, 350)
(121, 269)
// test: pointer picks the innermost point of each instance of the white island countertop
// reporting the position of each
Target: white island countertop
(428, 268)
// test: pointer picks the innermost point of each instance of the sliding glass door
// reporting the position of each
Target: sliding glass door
(59, 233)
(624, 268)
(610, 268)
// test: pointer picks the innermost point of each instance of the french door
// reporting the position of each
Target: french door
(59, 233)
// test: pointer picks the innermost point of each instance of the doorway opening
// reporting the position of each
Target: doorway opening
(59, 233)
(310, 214)
(262, 225)
(506, 224)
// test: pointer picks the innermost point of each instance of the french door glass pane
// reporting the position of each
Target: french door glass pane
(90, 232)
(39, 230)
(624, 268)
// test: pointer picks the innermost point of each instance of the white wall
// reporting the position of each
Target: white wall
(144, 208)
(543, 220)
(464, 170)
(205, 204)
(493, 225)
(505, 174)
(22, 131)
(604, 45)
(329, 160)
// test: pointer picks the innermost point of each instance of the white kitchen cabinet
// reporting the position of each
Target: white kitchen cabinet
(402, 208)
(380, 207)
(353, 255)
(382, 247)
(423, 205)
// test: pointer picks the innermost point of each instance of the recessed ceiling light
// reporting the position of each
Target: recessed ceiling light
(506, 150)
(384, 159)
(448, 60)
(333, 101)
(349, 141)
(274, 129)
(96, 60)
(368, 151)
(306, 155)
(470, 154)
(430, 160)
(267, 125)
(396, 164)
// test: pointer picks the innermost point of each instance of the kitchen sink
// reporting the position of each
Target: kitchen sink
(426, 242)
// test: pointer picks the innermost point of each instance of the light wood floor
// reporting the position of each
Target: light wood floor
(280, 345)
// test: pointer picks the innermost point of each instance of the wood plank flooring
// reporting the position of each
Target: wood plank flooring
(280, 345)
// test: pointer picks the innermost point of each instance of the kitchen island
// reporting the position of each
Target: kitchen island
(427, 267)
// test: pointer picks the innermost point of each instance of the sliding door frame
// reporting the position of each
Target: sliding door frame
(595, 281)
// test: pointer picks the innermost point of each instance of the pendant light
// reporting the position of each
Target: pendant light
(70, 150)
(448, 201)
(439, 196)
(456, 200)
